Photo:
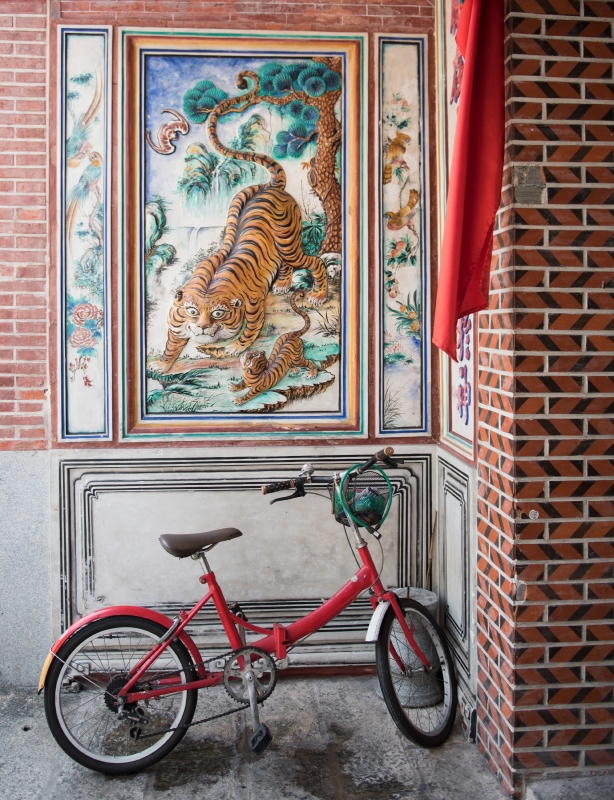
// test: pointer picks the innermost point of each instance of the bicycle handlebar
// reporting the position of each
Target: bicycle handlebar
(383, 455)
(280, 486)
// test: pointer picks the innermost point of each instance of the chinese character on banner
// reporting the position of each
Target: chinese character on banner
(455, 16)
(463, 353)
(459, 61)
(463, 339)
(463, 395)
(459, 65)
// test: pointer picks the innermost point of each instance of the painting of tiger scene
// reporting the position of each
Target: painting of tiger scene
(242, 234)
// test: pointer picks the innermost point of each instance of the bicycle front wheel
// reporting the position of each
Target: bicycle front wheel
(89, 671)
(421, 703)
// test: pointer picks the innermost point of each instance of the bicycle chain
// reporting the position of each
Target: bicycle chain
(191, 724)
(199, 721)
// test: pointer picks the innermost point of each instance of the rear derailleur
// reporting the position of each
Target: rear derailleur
(131, 712)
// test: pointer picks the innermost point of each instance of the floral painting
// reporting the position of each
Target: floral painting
(244, 266)
(84, 232)
(403, 264)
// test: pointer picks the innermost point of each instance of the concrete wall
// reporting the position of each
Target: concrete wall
(25, 580)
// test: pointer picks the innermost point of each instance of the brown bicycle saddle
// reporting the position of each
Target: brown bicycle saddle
(183, 545)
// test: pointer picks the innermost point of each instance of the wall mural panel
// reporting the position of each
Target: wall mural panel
(243, 190)
(403, 236)
(458, 402)
(83, 211)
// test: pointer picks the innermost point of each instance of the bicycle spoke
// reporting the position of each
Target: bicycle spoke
(423, 696)
(94, 726)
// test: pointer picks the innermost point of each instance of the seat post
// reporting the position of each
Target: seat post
(200, 556)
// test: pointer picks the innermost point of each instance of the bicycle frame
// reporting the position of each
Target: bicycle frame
(275, 641)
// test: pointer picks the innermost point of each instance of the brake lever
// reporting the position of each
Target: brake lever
(391, 462)
(300, 492)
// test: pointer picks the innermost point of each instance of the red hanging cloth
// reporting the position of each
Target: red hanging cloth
(474, 188)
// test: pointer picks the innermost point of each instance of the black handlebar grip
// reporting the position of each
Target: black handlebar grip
(269, 488)
(382, 455)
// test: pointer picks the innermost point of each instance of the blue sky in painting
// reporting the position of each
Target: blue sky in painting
(168, 77)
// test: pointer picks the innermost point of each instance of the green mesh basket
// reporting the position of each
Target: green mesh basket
(365, 497)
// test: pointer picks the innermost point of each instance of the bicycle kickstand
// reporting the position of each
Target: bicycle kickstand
(261, 737)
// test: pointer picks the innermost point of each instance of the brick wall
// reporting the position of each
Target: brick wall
(384, 16)
(546, 510)
(23, 225)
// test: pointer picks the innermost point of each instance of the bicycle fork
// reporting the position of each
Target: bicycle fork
(381, 593)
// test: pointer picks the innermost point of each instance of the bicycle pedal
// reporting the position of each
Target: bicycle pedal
(260, 739)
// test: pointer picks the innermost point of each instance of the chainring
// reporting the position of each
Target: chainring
(263, 667)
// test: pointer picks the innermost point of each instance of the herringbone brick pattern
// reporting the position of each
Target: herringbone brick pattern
(546, 460)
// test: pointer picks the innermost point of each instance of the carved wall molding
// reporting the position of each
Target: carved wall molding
(456, 556)
(90, 504)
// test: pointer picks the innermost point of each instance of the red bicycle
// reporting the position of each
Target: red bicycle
(121, 684)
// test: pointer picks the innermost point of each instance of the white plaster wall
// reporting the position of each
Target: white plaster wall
(25, 578)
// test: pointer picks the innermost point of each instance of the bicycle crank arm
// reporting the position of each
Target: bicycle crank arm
(261, 737)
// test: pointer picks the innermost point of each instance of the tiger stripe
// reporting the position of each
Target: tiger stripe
(260, 249)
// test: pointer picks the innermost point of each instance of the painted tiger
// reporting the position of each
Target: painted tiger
(225, 297)
(287, 355)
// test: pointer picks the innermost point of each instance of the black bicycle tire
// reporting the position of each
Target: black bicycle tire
(395, 708)
(68, 647)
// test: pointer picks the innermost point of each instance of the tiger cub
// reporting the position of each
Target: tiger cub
(260, 375)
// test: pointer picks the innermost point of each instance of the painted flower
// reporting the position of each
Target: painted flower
(82, 338)
(415, 326)
(85, 311)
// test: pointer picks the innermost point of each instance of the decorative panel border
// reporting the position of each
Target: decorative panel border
(454, 483)
(84, 203)
(200, 418)
(458, 380)
(403, 254)
(82, 480)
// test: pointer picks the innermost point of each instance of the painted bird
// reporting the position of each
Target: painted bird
(80, 193)
(404, 216)
(77, 145)
(168, 133)
(395, 150)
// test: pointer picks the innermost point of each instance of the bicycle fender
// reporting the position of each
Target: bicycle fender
(114, 611)
(376, 621)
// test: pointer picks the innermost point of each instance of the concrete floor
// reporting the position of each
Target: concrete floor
(332, 740)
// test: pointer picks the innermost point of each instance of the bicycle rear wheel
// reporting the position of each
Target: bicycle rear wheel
(90, 669)
(422, 704)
